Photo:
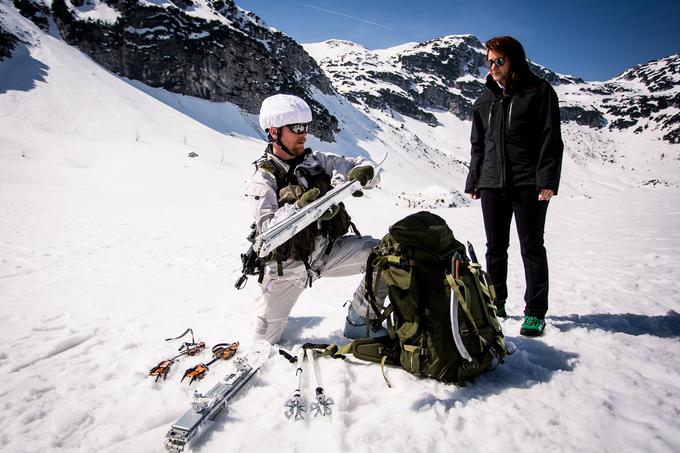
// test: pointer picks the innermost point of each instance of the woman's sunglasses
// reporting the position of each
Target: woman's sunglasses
(298, 128)
(500, 61)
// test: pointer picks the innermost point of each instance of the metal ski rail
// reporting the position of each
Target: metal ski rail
(280, 232)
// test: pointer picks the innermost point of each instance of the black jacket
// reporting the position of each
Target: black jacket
(516, 139)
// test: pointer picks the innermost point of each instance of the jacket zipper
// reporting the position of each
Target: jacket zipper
(501, 143)
(512, 99)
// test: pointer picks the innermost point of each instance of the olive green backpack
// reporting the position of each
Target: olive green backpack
(422, 263)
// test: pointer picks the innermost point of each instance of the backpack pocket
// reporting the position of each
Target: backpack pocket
(398, 277)
(410, 358)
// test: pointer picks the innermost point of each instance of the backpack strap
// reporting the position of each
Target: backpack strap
(497, 346)
(455, 285)
(382, 350)
(373, 264)
(478, 274)
(354, 228)
(376, 263)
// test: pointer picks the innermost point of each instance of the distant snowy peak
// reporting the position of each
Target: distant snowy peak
(408, 79)
(658, 75)
(413, 79)
(644, 99)
(333, 49)
(447, 74)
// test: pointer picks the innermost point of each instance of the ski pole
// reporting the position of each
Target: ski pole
(295, 407)
(323, 403)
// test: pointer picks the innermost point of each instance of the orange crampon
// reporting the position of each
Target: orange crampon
(221, 351)
(161, 369)
(190, 349)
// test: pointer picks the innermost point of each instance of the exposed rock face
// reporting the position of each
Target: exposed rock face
(647, 97)
(658, 75)
(592, 118)
(232, 56)
(7, 43)
(36, 12)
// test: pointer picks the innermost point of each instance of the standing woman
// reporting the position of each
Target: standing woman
(515, 165)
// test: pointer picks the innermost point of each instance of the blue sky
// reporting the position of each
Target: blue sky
(595, 40)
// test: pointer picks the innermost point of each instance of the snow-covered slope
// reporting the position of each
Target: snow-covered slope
(112, 239)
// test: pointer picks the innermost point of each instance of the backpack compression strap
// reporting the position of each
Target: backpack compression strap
(497, 348)
(376, 263)
(377, 350)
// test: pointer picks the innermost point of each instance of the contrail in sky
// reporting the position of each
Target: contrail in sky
(348, 16)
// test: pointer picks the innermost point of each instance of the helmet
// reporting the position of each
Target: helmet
(282, 109)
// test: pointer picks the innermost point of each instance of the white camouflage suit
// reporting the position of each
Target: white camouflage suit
(347, 256)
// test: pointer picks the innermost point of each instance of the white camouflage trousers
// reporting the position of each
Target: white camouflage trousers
(348, 256)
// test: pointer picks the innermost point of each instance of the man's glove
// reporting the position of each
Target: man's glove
(362, 174)
(308, 197)
(290, 194)
(330, 212)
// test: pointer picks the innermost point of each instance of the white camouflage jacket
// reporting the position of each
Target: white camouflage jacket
(262, 189)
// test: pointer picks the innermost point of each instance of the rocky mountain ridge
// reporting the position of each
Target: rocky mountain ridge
(448, 74)
(210, 49)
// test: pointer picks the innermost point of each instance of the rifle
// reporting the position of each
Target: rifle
(252, 263)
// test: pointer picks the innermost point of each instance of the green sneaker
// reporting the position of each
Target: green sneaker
(500, 309)
(532, 326)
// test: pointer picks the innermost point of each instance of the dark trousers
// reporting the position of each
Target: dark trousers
(498, 207)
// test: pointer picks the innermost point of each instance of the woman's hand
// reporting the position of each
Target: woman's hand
(545, 194)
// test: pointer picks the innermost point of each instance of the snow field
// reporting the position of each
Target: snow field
(112, 239)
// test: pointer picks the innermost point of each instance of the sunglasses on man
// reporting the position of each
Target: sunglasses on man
(298, 128)
(500, 61)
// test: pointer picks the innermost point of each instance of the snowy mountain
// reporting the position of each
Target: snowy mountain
(435, 83)
(418, 96)
(208, 49)
(122, 221)
(441, 74)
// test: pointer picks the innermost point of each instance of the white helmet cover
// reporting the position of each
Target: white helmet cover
(282, 109)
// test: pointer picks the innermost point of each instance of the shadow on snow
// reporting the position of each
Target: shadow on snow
(298, 324)
(663, 326)
(21, 72)
(534, 362)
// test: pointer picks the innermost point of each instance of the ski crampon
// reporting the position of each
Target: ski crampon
(205, 407)
(188, 348)
(221, 351)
